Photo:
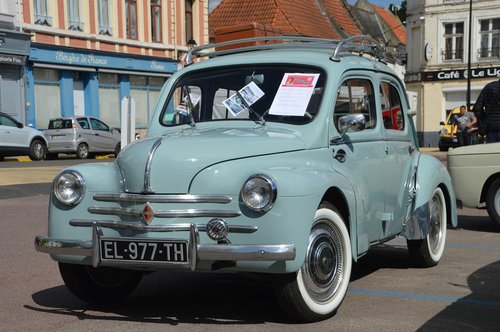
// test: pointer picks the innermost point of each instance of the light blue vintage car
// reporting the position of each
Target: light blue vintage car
(290, 158)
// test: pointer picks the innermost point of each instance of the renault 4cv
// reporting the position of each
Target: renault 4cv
(290, 158)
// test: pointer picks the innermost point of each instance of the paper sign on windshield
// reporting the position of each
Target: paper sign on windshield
(294, 94)
(250, 93)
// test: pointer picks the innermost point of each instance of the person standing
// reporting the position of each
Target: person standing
(465, 122)
(487, 110)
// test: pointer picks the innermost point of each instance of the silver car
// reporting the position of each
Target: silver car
(81, 135)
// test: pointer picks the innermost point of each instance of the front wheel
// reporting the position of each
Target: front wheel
(38, 150)
(99, 285)
(493, 201)
(428, 252)
(316, 291)
(82, 151)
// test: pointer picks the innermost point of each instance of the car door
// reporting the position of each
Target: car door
(102, 139)
(400, 151)
(360, 156)
(11, 135)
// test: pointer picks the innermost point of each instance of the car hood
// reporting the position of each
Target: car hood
(175, 159)
(478, 149)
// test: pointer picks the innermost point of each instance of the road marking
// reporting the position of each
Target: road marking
(425, 297)
(475, 246)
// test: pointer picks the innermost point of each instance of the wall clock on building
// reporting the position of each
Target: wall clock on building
(428, 52)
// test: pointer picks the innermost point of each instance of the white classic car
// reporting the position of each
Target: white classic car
(475, 172)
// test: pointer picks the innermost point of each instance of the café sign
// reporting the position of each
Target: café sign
(461, 74)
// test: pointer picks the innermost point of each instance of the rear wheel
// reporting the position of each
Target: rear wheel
(316, 291)
(82, 151)
(428, 252)
(493, 201)
(38, 150)
(99, 285)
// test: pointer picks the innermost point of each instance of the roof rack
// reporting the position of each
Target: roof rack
(353, 44)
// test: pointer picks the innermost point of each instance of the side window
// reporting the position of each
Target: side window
(356, 96)
(390, 102)
(98, 125)
(5, 121)
(84, 123)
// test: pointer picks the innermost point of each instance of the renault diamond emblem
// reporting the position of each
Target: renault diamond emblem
(148, 213)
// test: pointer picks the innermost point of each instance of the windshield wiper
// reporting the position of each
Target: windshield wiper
(259, 117)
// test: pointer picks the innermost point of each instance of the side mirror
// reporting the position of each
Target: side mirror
(20, 125)
(355, 122)
(441, 123)
(412, 112)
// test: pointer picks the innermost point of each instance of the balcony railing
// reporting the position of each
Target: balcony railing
(452, 56)
(488, 53)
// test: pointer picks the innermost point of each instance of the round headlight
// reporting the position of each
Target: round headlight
(259, 193)
(69, 187)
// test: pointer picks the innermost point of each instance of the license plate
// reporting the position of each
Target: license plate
(143, 250)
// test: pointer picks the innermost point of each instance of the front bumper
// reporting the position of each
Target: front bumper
(196, 252)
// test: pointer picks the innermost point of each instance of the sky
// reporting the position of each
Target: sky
(381, 3)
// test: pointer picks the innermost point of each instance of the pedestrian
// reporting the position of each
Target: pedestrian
(487, 110)
(465, 122)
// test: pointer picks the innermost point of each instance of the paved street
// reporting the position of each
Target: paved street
(386, 293)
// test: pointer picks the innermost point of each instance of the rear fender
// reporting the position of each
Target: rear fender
(430, 174)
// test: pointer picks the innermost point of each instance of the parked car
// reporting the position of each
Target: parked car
(84, 136)
(475, 171)
(17, 139)
(446, 140)
(271, 159)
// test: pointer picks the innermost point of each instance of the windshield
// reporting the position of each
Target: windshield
(288, 94)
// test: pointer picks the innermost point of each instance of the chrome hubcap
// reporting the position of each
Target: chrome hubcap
(435, 227)
(322, 271)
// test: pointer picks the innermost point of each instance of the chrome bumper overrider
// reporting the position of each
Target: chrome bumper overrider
(196, 252)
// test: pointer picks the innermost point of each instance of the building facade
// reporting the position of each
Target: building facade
(87, 55)
(440, 52)
(14, 49)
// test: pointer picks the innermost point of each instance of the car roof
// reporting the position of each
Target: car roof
(356, 52)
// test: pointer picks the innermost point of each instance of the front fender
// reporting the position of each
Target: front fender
(430, 174)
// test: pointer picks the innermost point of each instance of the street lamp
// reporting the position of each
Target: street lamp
(191, 43)
(469, 74)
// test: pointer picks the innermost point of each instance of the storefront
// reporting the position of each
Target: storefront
(65, 82)
(14, 47)
(441, 91)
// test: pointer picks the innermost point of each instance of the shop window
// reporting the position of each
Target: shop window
(104, 21)
(453, 42)
(42, 13)
(131, 18)
(156, 20)
(74, 22)
(145, 92)
(356, 96)
(490, 39)
(391, 107)
(109, 99)
(46, 84)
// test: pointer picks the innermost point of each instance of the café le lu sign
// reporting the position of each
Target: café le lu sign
(448, 75)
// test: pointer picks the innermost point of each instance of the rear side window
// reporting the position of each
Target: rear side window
(391, 107)
(84, 123)
(60, 124)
